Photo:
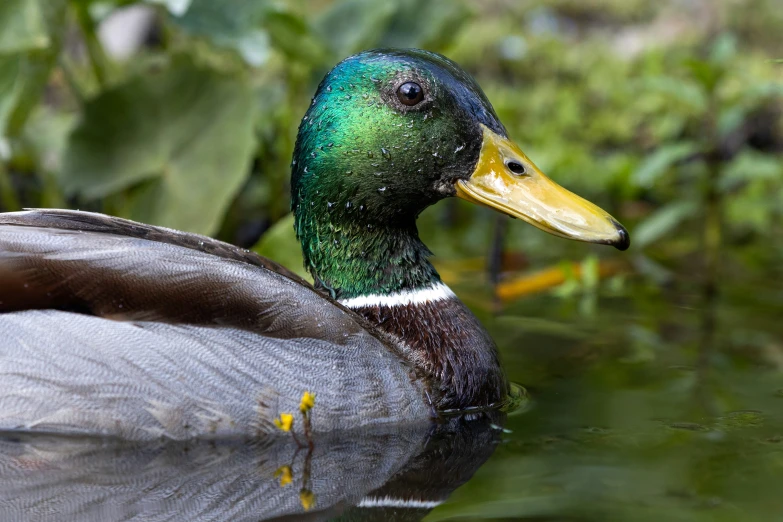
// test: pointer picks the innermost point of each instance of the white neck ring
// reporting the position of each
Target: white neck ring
(434, 293)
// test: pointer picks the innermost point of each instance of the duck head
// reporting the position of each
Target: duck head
(390, 132)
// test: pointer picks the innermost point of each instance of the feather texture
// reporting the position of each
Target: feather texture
(133, 331)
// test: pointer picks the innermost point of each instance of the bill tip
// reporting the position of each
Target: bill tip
(624, 240)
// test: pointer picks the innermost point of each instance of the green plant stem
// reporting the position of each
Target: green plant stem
(7, 194)
(711, 243)
(95, 52)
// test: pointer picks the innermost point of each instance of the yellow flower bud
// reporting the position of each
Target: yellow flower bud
(307, 498)
(285, 474)
(307, 403)
(285, 421)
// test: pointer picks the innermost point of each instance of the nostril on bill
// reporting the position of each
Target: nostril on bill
(516, 168)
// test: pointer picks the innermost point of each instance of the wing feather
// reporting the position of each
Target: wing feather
(116, 328)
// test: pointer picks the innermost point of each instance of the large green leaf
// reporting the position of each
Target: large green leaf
(22, 26)
(253, 28)
(232, 24)
(26, 60)
(186, 132)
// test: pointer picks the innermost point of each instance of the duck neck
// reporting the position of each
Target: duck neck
(354, 258)
(382, 272)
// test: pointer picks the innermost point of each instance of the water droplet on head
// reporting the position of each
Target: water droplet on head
(328, 88)
(382, 189)
(369, 154)
(329, 204)
(348, 205)
(459, 148)
(386, 153)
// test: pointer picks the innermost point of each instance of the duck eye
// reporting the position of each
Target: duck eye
(410, 93)
(516, 168)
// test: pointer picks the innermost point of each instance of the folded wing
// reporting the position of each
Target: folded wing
(116, 328)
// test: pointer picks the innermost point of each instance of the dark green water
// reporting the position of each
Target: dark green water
(645, 404)
(664, 406)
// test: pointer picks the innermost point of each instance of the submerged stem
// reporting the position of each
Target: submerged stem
(711, 245)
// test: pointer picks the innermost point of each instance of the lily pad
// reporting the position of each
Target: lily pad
(182, 139)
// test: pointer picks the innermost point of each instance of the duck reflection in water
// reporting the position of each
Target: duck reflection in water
(398, 473)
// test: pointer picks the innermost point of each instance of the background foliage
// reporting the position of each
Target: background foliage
(668, 115)
(662, 403)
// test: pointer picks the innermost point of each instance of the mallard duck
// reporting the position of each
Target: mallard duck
(116, 328)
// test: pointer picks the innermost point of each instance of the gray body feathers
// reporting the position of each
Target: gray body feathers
(115, 328)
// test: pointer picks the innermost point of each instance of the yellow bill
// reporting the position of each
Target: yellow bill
(506, 180)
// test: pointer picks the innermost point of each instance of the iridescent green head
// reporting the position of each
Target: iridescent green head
(390, 132)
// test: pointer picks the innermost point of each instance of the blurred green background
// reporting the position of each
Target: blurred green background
(183, 113)
(656, 373)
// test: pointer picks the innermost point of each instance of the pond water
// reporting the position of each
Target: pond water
(662, 406)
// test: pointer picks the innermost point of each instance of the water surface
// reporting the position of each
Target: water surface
(648, 404)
